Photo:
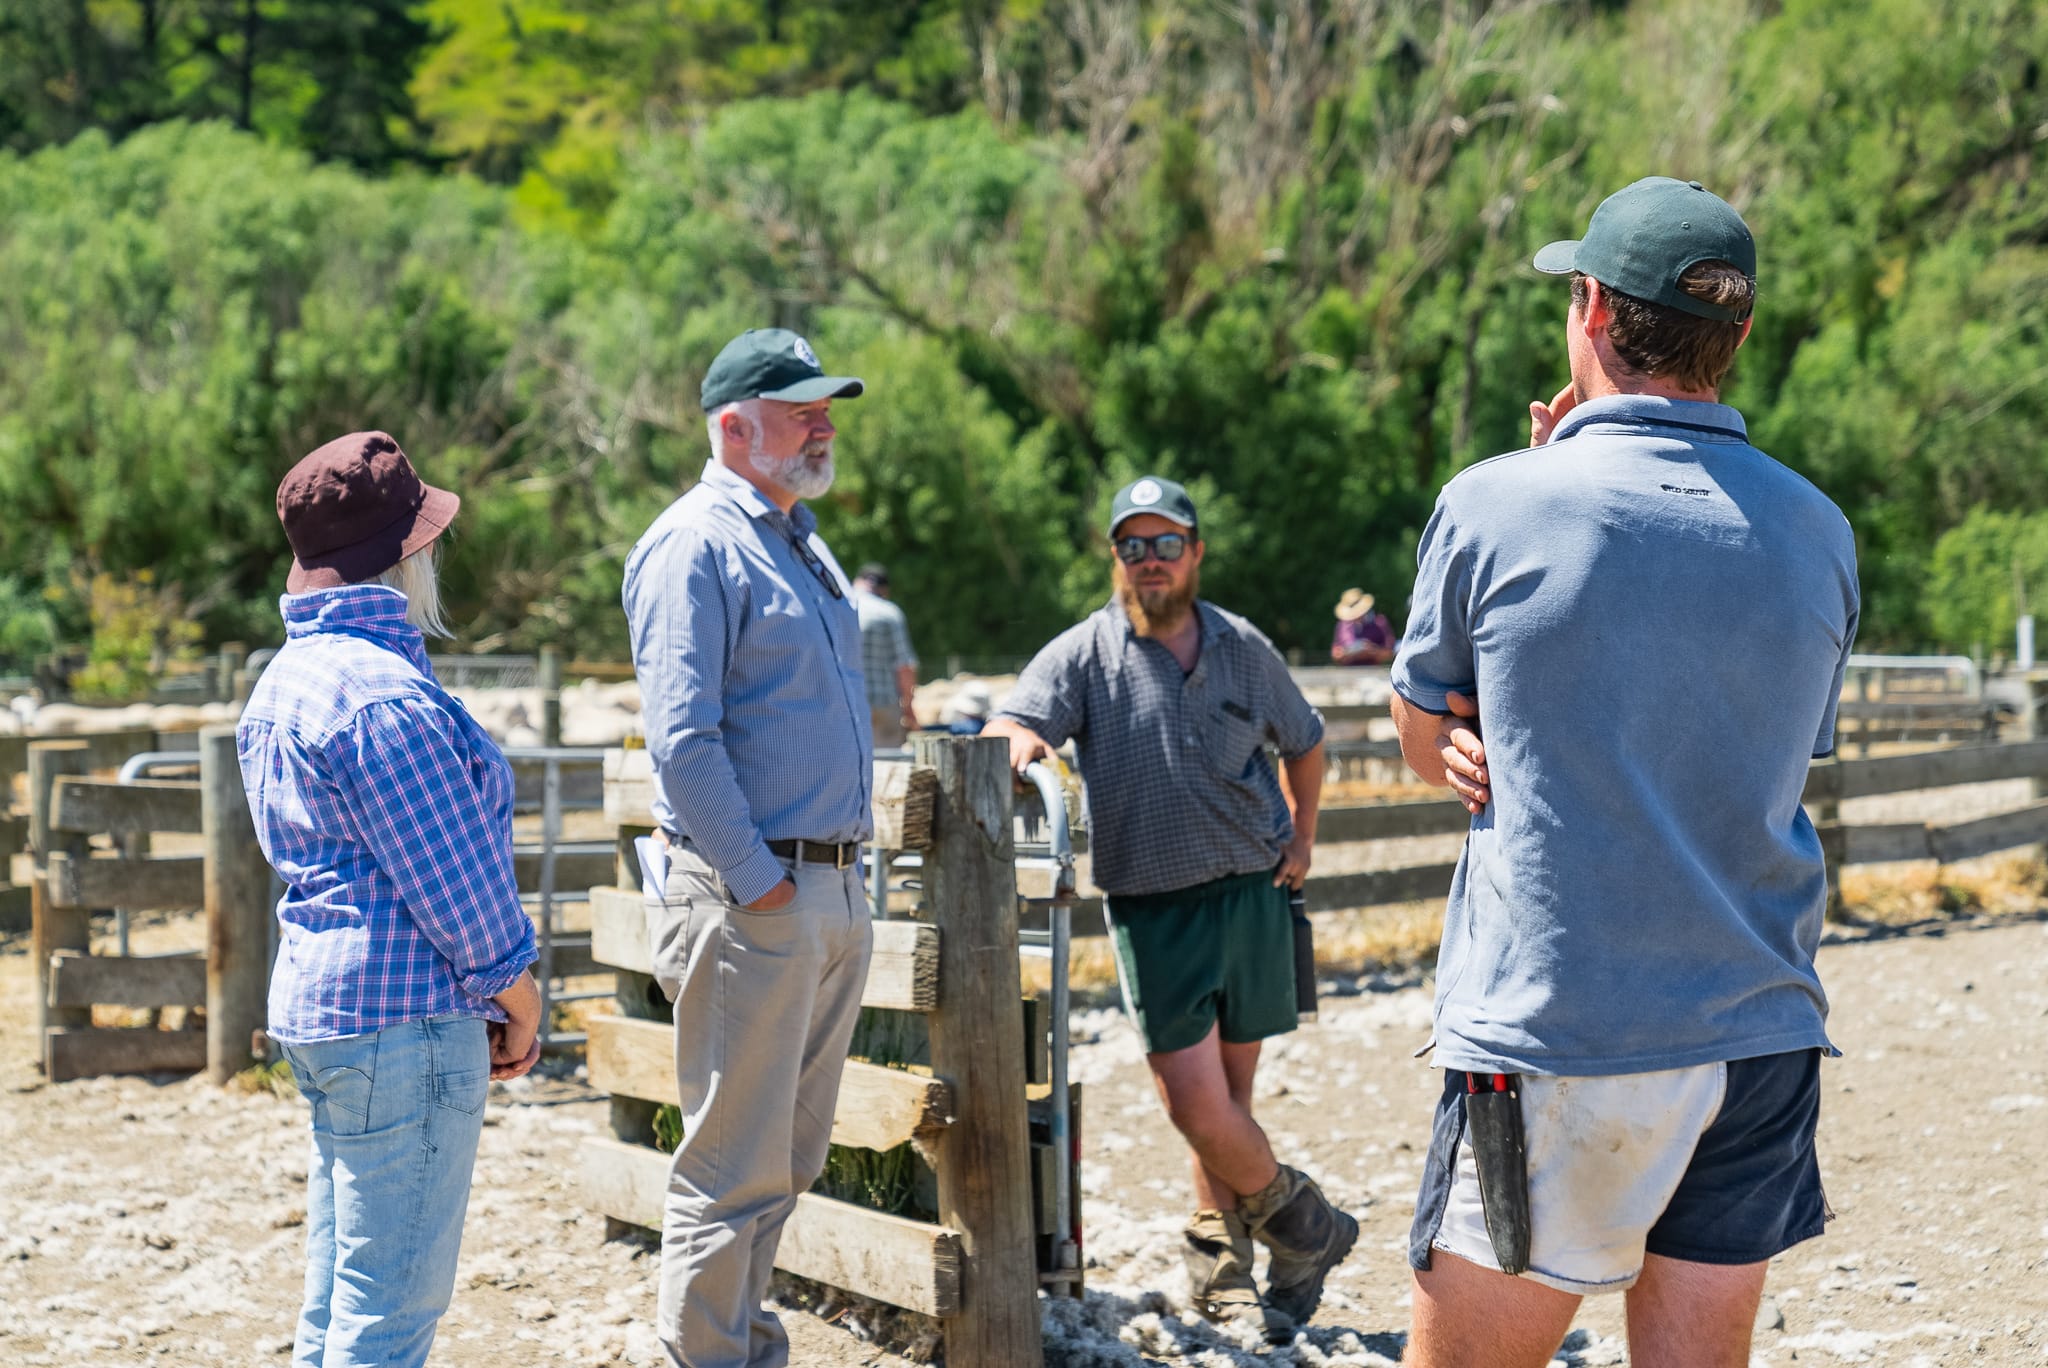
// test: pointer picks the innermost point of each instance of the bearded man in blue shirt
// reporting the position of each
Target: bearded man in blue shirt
(749, 658)
(1653, 618)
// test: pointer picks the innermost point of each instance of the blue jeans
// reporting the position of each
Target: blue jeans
(396, 1117)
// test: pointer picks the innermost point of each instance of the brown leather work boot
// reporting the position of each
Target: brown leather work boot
(1219, 1255)
(1307, 1236)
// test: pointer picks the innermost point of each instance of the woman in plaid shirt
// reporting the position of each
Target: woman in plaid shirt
(401, 986)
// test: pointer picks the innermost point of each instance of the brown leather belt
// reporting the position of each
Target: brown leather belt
(838, 855)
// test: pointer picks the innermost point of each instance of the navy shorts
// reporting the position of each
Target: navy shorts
(1712, 1164)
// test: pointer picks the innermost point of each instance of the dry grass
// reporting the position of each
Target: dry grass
(1905, 895)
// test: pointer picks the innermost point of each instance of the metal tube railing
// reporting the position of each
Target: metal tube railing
(1066, 1248)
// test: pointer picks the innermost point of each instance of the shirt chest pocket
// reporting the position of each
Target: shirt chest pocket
(786, 628)
(1232, 738)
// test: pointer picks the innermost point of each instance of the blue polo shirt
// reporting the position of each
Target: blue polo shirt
(1654, 617)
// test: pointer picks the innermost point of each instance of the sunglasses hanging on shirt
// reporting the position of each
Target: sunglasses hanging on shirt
(816, 566)
(1167, 546)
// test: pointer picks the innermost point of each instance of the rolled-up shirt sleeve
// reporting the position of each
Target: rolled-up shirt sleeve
(404, 776)
(1436, 651)
(1051, 697)
(1292, 722)
(685, 614)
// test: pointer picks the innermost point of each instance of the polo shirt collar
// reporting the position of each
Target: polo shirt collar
(1126, 636)
(1683, 415)
(753, 502)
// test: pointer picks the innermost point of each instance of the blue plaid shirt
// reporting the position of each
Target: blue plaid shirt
(387, 811)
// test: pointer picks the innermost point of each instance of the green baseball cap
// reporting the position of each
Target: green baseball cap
(771, 363)
(1150, 494)
(1644, 237)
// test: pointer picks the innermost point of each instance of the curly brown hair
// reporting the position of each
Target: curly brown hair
(1666, 343)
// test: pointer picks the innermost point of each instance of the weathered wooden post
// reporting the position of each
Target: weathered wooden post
(984, 1157)
(237, 910)
(550, 696)
(53, 928)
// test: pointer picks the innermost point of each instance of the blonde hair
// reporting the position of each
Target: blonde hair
(414, 577)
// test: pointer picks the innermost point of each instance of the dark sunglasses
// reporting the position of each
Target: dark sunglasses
(1168, 546)
(816, 566)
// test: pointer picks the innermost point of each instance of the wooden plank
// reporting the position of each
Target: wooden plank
(628, 787)
(88, 1051)
(17, 913)
(82, 980)
(1373, 888)
(1985, 835)
(1874, 843)
(1961, 712)
(904, 1263)
(578, 869)
(1381, 821)
(51, 927)
(96, 805)
(1929, 769)
(879, 1108)
(170, 881)
(903, 973)
(984, 1159)
(582, 782)
(902, 798)
(236, 888)
(618, 929)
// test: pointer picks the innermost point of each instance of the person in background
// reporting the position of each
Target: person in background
(886, 657)
(1196, 838)
(1363, 637)
(749, 661)
(401, 986)
(966, 712)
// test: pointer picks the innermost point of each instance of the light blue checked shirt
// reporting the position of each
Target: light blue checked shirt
(750, 681)
(387, 811)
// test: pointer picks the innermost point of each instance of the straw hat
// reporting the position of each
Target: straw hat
(1355, 604)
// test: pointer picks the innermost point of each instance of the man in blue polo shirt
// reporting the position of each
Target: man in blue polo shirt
(1652, 617)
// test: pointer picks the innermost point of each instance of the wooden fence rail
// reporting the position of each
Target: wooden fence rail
(1828, 783)
(229, 879)
(975, 1268)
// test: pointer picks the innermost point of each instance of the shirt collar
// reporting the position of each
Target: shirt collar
(753, 502)
(375, 612)
(1688, 415)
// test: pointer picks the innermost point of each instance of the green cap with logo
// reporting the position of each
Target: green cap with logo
(1644, 237)
(771, 363)
(1151, 494)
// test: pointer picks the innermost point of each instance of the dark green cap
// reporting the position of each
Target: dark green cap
(1150, 494)
(1643, 238)
(771, 363)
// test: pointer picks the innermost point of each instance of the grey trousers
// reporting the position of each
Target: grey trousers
(765, 1003)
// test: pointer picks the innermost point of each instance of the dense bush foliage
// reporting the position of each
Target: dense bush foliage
(1275, 250)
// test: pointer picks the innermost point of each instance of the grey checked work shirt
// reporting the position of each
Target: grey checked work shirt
(1179, 788)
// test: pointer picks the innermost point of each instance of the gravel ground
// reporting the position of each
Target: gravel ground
(161, 1221)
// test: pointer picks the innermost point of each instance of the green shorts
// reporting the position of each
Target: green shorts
(1219, 953)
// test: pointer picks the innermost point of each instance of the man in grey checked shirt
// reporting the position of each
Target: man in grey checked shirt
(1170, 702)
(748, 654)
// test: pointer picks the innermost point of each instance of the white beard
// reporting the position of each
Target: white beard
(807, 474)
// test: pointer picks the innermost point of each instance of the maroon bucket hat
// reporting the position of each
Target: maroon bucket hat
(355, 508)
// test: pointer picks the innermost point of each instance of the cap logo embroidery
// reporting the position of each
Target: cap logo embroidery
(805, 354)
(1145, 493)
